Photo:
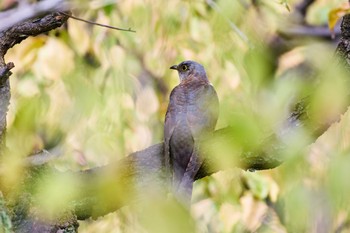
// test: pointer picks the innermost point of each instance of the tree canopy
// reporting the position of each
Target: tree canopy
(88, 104)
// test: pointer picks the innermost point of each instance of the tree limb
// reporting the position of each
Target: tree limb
(307, 30)
(24, 12)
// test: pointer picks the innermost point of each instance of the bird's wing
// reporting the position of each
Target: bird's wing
(202, 116)
(169, 126)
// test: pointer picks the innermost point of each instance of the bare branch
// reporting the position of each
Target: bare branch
(19, 32)
(43, 157)
(24, 12)
(305, 30)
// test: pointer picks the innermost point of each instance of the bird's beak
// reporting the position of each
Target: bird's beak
(174, 67)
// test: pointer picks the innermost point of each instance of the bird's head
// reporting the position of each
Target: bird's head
(190, 69)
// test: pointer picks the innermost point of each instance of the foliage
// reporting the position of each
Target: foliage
(97, 95)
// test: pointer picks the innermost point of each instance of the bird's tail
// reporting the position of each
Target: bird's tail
(185, 185)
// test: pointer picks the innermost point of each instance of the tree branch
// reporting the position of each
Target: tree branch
(141, 170)
(311, 31)
(24, 12)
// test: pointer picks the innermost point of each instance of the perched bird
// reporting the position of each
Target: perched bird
(192, 113)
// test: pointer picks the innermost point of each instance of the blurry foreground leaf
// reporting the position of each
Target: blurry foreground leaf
(285, 4)
(5, 221)
(160, 215)
(257, 184)
(54, 192)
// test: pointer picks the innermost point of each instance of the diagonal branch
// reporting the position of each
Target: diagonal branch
(24, 12)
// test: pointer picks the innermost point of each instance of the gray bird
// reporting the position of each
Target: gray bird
(192, 113)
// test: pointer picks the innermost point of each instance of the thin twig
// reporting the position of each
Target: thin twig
(98, 24)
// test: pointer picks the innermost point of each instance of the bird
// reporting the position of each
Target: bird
(192, 114)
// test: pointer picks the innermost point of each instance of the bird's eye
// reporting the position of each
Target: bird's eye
(184, 67)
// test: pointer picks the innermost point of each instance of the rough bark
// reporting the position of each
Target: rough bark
(343, 49)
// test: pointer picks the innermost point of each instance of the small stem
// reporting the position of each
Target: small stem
(98, 24)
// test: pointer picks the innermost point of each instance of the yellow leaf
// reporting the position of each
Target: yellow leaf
(24, 54)
(79, 36)
(54, 60)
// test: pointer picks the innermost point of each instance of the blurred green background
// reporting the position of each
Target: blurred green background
(95, 95)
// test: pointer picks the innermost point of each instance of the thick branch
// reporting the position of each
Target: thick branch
(21, 31)
(343, 49)
(129, 178)
(25, 11)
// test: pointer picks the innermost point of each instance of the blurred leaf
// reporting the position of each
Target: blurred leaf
(260, 67)
(5, 220)
(79, 36)
(298, 209)
(257, 184)
(252, 212)
(160, 216)
(108, 8)
(25, 54)
(54, 60)
(337, 182)
(199, 30)
(286, 4)
(54, 193)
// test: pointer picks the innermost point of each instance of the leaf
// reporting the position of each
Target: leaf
(285, 4)
(258, 185)
(54, 60)
(79, 36)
